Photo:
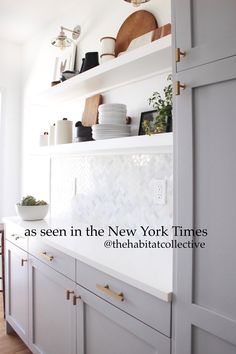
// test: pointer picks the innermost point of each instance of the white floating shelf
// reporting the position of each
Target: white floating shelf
(141, 63)
(159, 143)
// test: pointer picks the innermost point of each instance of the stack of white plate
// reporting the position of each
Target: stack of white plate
(112, 122)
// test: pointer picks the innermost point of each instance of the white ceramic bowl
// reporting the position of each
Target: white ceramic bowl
(34, 212)
(120, 121)
(114, 107)
(112, 114)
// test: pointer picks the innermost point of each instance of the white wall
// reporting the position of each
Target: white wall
(10, 126)
(115, 188)
(97, 18)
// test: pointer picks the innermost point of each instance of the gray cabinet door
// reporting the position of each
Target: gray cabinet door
(104, 329)
(205, 30)
(52, 318)
(205, 280)
(17, 290)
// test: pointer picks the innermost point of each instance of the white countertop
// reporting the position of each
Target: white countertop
(149, 270)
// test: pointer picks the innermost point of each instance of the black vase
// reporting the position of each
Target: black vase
(91, 60)
(82, 66)
(169, 124)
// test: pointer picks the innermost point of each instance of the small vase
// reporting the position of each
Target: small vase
(91, 60)
(169, 124)
(82, 66)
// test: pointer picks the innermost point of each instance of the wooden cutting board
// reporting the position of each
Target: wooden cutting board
(137, 24)
(90, 115)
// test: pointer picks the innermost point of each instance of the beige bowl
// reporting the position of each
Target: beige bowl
(34, 212)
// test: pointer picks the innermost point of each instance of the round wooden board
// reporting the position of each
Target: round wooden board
(137, 24)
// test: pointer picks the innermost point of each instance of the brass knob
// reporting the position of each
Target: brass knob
(69, 293)
(178, 87)
(75, 298)
(179, 54)
(23, 261)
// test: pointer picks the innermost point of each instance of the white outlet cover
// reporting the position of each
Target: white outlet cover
(159, 191)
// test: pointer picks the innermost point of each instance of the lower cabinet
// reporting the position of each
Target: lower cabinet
(54, 315)
(102, 328)
(17, 290)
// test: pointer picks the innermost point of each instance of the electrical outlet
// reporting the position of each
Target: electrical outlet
(160, 191)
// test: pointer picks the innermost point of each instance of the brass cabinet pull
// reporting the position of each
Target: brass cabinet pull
(75, 298)
(46, 256)
(17, 237)
(178, 87)
(23, 262)
(105, 289)
(179, 54)
(69, 293)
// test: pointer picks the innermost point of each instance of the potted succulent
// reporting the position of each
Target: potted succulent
(31, 209)
(162, 122)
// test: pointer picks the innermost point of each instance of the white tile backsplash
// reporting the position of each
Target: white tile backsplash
(112, 190)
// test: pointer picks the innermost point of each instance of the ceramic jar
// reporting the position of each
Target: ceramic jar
(107, 45)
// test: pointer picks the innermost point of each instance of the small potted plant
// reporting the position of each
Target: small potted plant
(162, 121)
(31, 209)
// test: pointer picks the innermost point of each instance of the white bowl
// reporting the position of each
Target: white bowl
(114, 107)
(120, 121)
(34, 212)
(113, 114)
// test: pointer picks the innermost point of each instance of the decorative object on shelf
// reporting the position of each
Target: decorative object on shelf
(63, 131)
(146, 118)
(149, 37)
(31, 209)
(43, 140)
(106, 57)
(159, 120)
(90, 114)
(112, 122)
(82, 133)
(64, 61)
(137, 24)
(54, 83)
(161, 32)
(52, 134)
(62, 41)
(90, 61)
(68, 74)
(82, 66)
(140, 41)
(137, 3)
(107, 45)
(112, 113)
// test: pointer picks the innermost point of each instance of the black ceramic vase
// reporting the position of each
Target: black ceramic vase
(91, 60)
(169, 127)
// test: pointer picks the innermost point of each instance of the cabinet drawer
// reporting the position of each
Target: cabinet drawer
(104, 329)
(52, 257)
(143, 306)
(15, 234)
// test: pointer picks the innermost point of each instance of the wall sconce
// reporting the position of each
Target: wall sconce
(62, 41)
(137, 3)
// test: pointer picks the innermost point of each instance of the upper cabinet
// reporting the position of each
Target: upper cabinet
(205, 31)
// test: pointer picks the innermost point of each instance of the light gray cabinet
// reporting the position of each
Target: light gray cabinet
(205, 30)
(102, 328)
(17, 290)
(205, 282)
(52, 315)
